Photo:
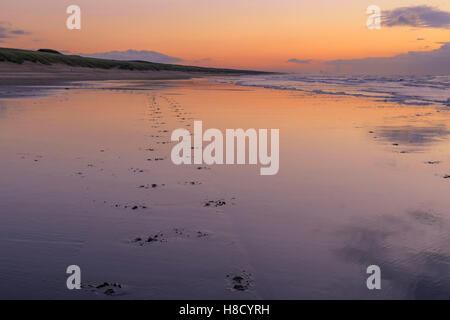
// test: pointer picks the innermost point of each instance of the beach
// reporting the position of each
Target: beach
(87, 180)
(30, 73)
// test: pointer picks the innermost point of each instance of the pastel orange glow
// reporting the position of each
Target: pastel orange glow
(259, 34)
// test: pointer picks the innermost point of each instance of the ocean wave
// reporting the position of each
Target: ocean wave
(423, 90)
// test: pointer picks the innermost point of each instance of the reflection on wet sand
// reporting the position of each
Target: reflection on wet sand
(413, 136)
(87, 179)
(410, 250)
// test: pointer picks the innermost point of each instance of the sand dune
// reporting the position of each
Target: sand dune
(30, 73)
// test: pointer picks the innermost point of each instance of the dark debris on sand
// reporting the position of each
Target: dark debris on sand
(130, 206)
(107, 288)
(150, 186)
(192, 183)
(240, 282)
(214, 203)
(176, 233)
(158, 237)
(218, 203)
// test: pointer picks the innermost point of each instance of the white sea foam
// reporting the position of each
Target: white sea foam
(412, 90)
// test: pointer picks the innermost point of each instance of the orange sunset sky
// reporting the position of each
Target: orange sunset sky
(257, 34)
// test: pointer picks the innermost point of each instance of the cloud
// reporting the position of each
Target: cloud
(418, 16)
(18, 32)
(204, 60)
(143, 55)
(6, 31)
(298, 61)
(434, 62)
(3, 33)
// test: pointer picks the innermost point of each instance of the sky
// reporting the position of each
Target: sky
(255, 34)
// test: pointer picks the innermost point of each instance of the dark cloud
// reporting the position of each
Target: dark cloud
(143, 55)
(415, 62)
(18, 32)
(418, 16)
(7, 32)
(298, 61)
(3, 33)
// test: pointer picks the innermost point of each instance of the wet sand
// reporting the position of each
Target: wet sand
(87, 179)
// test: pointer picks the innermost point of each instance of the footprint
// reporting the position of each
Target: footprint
(214, 203)
(240, 282)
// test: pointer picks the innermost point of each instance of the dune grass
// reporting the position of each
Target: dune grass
(50, 57)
